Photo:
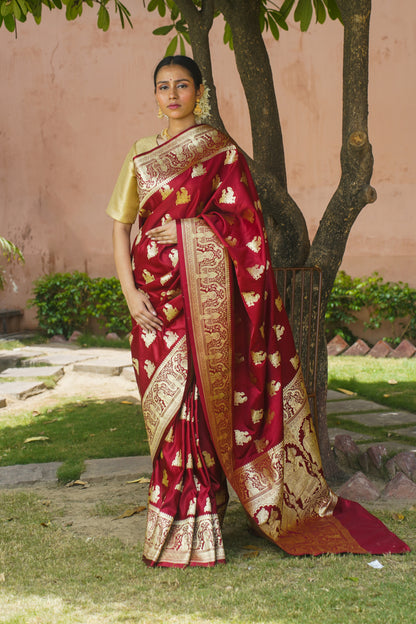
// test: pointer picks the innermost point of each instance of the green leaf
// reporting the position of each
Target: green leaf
(181, 26)
(124, 14)
(122, 19)
(23, 7)
(8, 249)
(174, 13)
(16, 9)
(153, 4)
(163, 30)
(320, 11)
(263, 22)
(286, 7)
(279, 19)
(6, 9)
(161, 7)
(333, 10)
(228, 36)
(10, 22)
(274, 28)
(303, 14)
(182, 44)
(171, 49)
(103, 20)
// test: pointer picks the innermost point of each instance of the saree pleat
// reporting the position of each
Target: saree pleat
(186, 490)
(222, 390)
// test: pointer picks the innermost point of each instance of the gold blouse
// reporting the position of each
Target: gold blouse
(124, 202)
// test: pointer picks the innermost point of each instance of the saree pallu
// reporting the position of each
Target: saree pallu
(222, 391)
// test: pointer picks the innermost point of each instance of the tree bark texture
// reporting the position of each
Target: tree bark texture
(200, 23)
(354, 190)
(288, 237)
(289, 240)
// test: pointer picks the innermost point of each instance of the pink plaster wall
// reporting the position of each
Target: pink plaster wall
(74, 99)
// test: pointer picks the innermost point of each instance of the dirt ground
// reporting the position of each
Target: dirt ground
(90, 511)
(93, 511)
(75, 385)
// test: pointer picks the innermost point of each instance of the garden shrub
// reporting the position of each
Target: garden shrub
(68, 301)
(108, 306)
(346, 299)
(62, 301)
(384, 301)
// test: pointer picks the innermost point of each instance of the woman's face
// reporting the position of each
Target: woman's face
(176, 93)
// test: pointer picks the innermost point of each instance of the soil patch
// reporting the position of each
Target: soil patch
(93, 511)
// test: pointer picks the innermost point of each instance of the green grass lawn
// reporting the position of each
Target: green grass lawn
(49, 575)
(87, 429)
(52, 576)
(72, 433)
(390, 382)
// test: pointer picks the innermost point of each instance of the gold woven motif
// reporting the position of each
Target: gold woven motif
(157, 168)
(207, 274)
(164, 394)
(193, 541)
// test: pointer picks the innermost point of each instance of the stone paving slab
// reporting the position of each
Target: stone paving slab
(22, 389)
(104, 365)
(334, 395)
(381, 419)
(13, 358)
(353, 434)
(21, 353)
(28, 474)
(410, 432)
(353, 405)
(128, 373)
(121, 467)
(57, 359)
(34, 371)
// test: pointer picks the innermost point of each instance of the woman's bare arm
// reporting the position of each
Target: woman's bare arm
(138, 302)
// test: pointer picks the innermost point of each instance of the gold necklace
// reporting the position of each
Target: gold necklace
(165, 134)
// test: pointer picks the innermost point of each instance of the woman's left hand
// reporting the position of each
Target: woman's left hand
(165, 234)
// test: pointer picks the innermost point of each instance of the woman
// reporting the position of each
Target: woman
(221, 386)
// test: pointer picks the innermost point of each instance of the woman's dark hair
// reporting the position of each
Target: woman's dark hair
(184, 61)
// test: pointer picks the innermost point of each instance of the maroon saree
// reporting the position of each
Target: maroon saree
(222, 390)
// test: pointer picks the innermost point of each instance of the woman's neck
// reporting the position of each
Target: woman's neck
(175, 127)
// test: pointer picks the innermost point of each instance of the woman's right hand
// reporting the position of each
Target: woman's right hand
(143, 312)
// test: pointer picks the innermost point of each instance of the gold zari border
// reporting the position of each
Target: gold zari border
(208, 279)
(164, 394)
(191, 541)
(159, 167)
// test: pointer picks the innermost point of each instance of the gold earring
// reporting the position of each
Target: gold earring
(159, 113)
(197, 109)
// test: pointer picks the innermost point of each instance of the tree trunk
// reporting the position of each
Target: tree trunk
(354, 190)
(200, 23)
(288, 237)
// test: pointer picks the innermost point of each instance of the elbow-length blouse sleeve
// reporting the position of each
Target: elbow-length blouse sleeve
(124, 202)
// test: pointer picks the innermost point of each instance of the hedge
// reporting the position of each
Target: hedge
(68, 301)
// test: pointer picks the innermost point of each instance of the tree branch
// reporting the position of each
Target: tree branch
(253, 65)
(354, 190)
(199, 24)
